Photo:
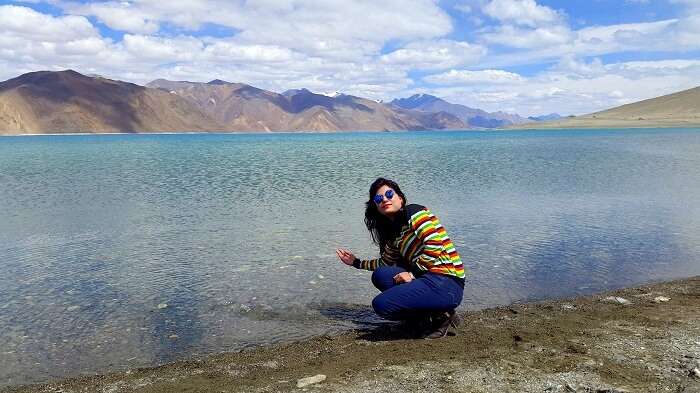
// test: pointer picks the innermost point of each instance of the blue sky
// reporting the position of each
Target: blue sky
(526, 56)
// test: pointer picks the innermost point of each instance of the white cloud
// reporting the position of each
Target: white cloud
(439, 54)
(575, 68)
(516, 37)
(232, 52)
(455, 77)
(120, 16)
(521, 12)
(29, 24)
(337, 28)
(162, 49)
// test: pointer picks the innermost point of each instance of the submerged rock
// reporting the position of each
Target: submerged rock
(310, 380)
(616, 299)
(695, 373)
(162, 306)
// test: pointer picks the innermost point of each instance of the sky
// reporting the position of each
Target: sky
(524, 56)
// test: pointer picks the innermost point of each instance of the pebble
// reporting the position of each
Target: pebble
(162, 306)
(72, 308)
(173, 336)
(568, 307)
(695, 372)
(310, 380)
(661, 299)
(615, 299)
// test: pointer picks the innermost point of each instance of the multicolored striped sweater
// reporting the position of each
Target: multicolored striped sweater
(422, 245)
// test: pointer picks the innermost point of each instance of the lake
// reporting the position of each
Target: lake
(122, 251)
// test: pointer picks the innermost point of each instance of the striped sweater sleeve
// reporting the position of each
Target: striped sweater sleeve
(430, 233)
(390, 256)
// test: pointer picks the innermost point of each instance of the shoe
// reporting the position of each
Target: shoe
(442, 324)
(416, 327)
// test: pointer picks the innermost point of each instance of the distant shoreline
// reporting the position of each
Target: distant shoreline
(640, 339)
(512, 128)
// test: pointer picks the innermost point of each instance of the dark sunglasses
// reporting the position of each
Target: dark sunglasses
(379, 197)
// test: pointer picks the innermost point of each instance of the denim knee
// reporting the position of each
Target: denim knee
(382, 306)
(375, 279)
(383, 277)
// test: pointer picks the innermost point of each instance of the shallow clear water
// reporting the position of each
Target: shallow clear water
(236, 233)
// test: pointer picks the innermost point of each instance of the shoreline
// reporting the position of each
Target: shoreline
(640, 339)
(521, 127)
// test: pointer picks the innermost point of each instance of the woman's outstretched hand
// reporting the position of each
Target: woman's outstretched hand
(346, 256)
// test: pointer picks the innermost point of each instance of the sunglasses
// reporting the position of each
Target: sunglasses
(379, 197)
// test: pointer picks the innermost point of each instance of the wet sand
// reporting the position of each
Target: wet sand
(643, 339)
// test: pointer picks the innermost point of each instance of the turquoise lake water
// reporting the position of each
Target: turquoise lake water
(120, 251)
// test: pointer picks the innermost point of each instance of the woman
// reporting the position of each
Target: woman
(419, 272)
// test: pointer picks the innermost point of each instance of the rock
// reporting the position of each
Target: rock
(72, 308)
(162, 306)
(615, 299)
(661, 299)
(568, 307)
(173, 336)
(695, 373)
(310, 380)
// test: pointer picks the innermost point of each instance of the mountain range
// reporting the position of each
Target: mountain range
(69, 102)
(474, 118)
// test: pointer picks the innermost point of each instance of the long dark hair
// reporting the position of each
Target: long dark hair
(380, 226)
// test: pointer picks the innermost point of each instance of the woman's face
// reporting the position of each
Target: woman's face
(387, 206)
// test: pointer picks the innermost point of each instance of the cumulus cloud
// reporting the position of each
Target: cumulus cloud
(120, 16)
(516, 37)
(330, 28)
(525, 24)
(31, 25)
(521, 12)
(453, 77)
(439, 54)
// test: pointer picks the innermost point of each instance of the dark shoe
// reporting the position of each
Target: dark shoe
(416, 327)
(442, 324)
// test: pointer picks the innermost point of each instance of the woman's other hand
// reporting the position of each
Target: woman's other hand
(403, 277)
(345, 256)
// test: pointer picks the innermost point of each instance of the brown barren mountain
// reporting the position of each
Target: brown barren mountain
(681, 109)
(240, 107)
(68, 102)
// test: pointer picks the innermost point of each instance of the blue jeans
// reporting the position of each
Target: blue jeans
(428, 294)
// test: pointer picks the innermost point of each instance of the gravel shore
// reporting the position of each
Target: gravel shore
(643, 339)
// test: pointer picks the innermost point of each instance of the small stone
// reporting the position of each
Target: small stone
(695, 373)
(310, 380)
(162, 306)
(661, 299)
(568, 307)
(173, 336)
(72, 308)
(615, 299)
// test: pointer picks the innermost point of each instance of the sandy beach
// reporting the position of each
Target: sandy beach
(642, 339)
